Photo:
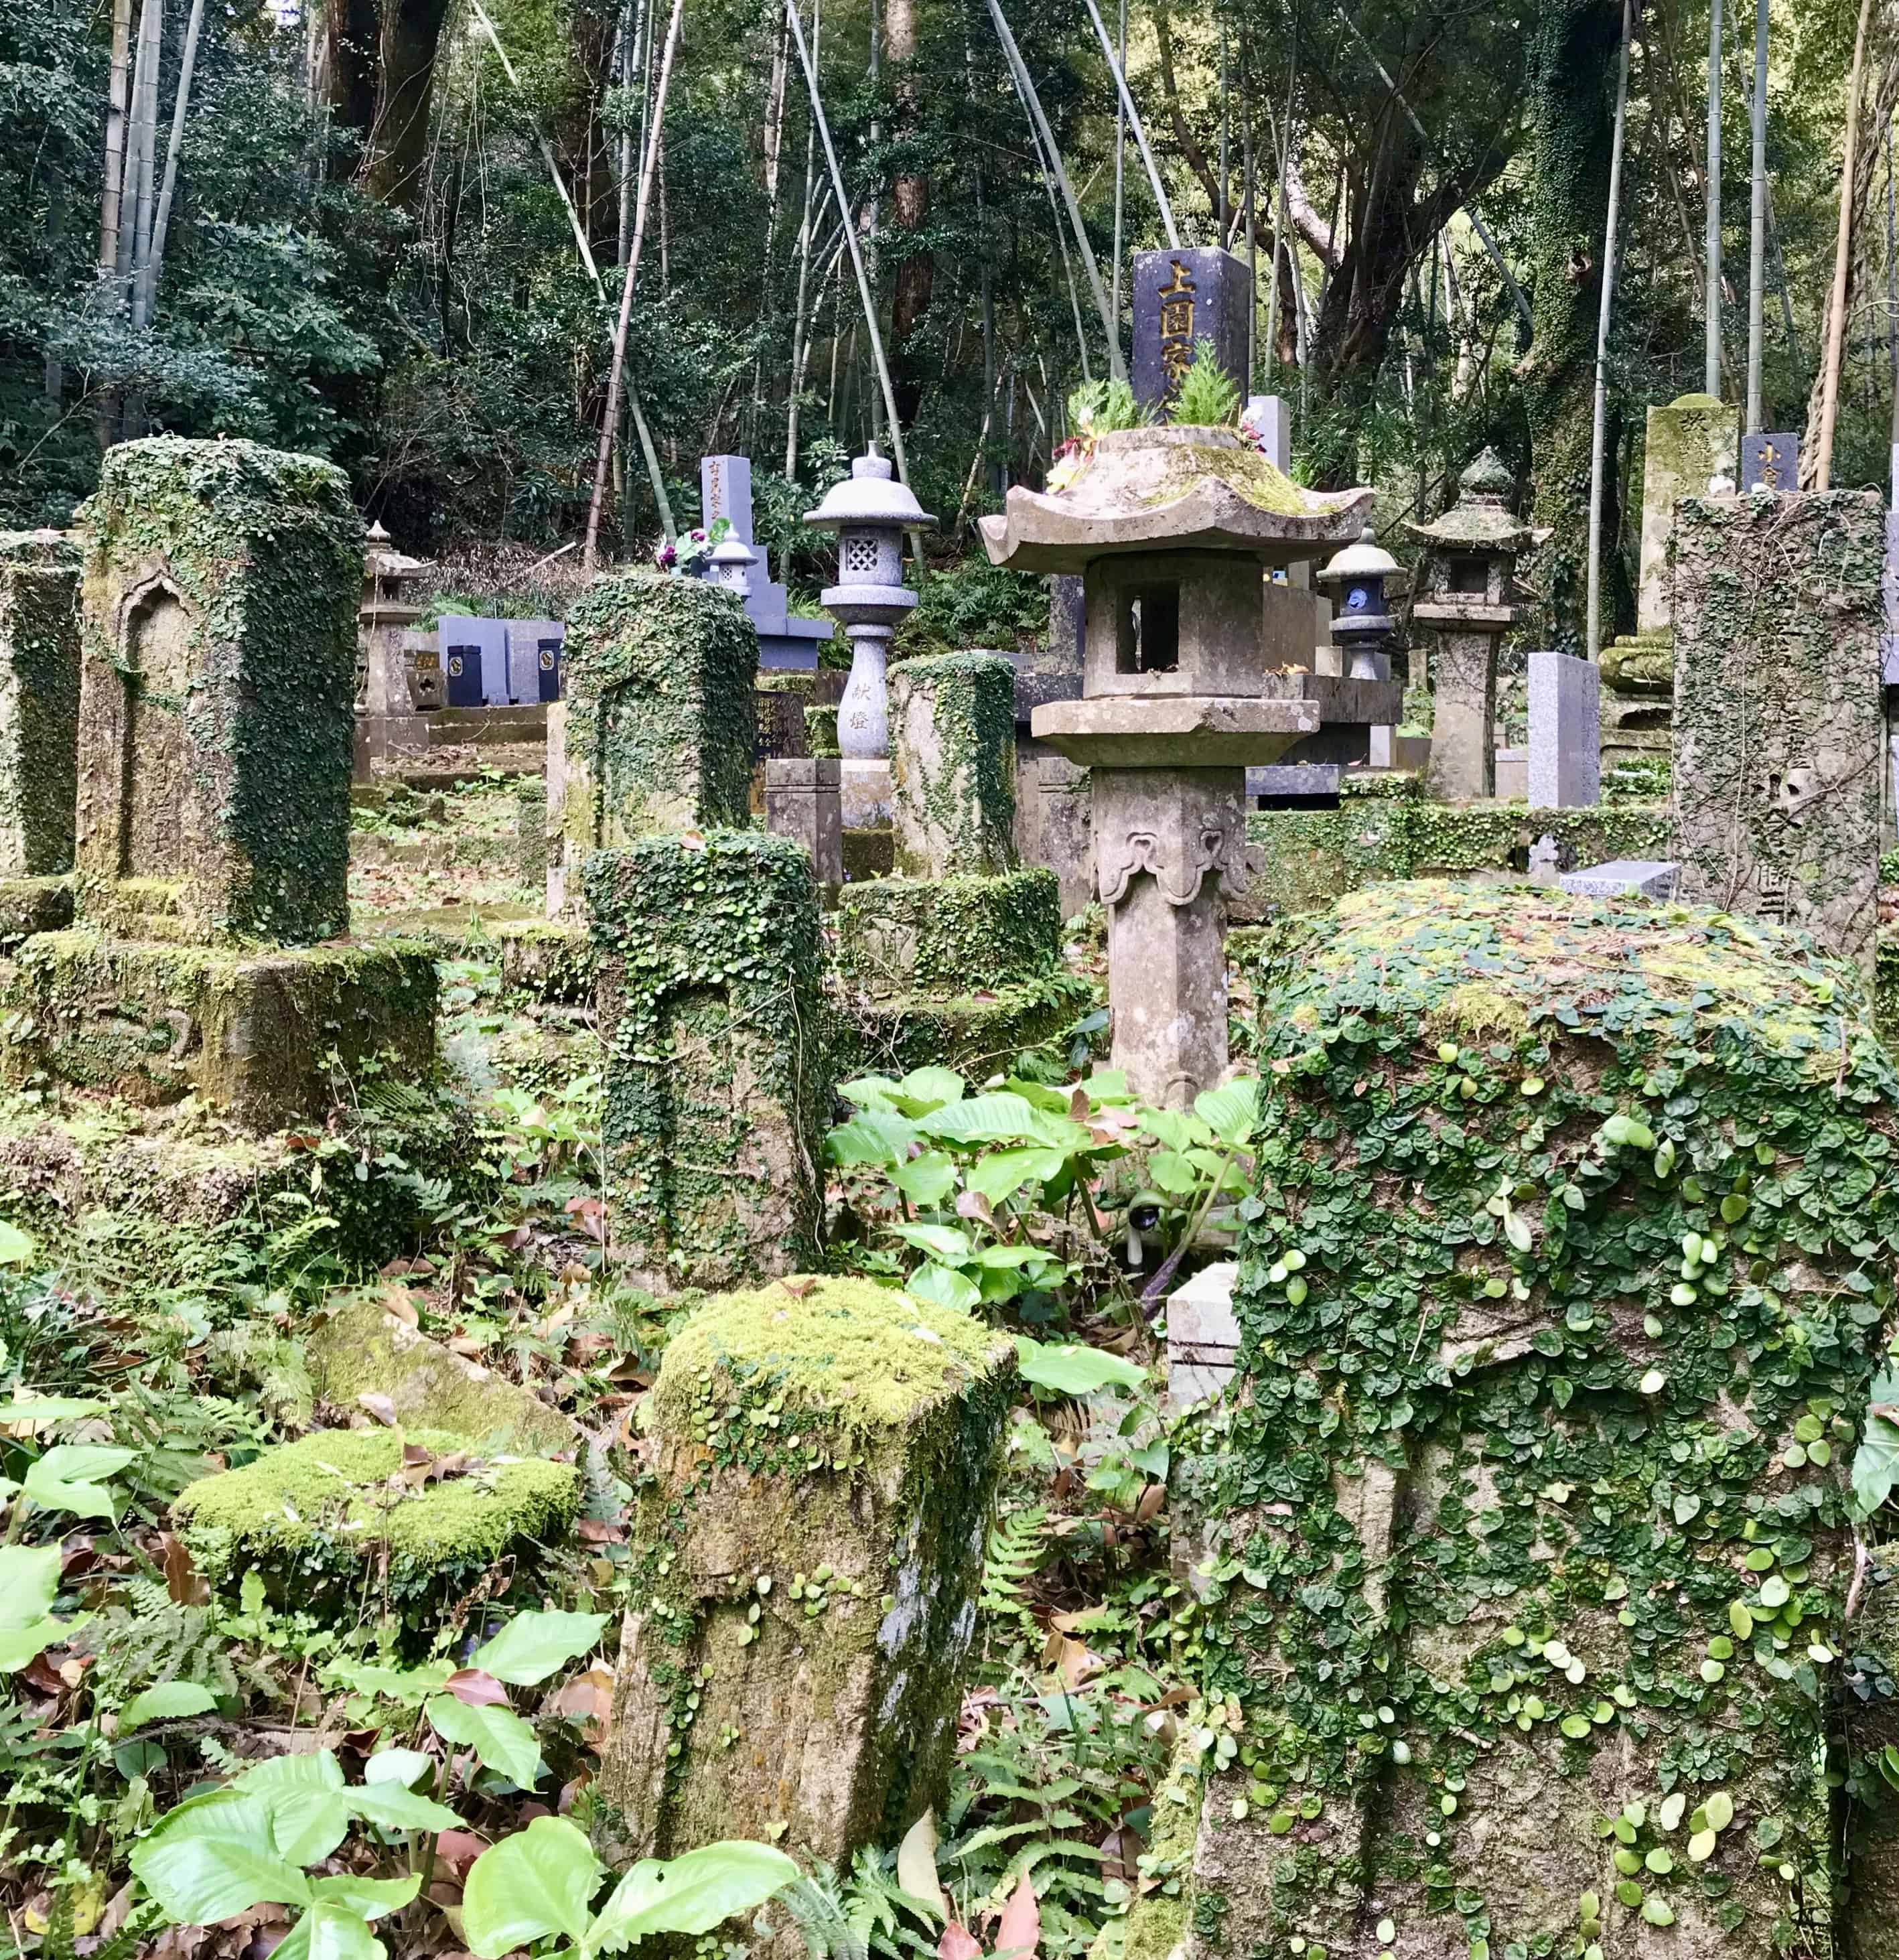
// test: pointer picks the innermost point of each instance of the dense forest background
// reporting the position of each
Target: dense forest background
(369, 251)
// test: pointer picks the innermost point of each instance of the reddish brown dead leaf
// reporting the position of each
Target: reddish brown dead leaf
(1151, 1500)
(455, 1850)
(957, 1944)
(184, 1582)
(588, 1700)
(380, 1406)
(477, 1688)
(600, 1530)
(797, 1289)
(396, 1298)
(1019, 1932)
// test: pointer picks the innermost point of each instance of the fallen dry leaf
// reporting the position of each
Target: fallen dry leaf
(380, 1406)
(184, 1582)
(476, 1686)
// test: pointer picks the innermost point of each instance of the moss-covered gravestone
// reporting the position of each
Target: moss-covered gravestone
(717, 1092)
(807, 1558)
(660, 722)
(218, 663)
(952, 765)
(1569, 1263)
(1779, 730)
(38, 701)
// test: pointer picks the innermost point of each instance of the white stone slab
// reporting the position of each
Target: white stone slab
(1625, 877)
(1202, 1336)
(1566, 731)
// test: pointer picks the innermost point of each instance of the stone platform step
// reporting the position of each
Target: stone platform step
(450, 728)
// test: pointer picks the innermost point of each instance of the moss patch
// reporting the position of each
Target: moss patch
(318, 1517)
(953, 765)
(906, 935)
(40, 708)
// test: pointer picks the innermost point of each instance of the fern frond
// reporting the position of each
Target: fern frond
(1017, 1545)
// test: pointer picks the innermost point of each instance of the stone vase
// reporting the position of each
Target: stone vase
(864, 715)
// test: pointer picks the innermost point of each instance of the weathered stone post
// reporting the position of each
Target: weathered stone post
(1525, 1570)
(1470, 584)
(803, 801)
(39, 701)
(952, 765)
(808, 1556)
(1779, 729)
(710, 1012)
(1065, 805)
(1689, 444)
(385, 715)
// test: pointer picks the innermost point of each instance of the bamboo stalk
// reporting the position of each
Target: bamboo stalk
(155, 257)
(1842, 260)
(1593, 637)
(1757, 218)
(1134, 117)
(1711, 314)
(1121, 179)
(118, 91)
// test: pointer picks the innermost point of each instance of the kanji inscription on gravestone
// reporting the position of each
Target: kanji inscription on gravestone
(1771, 461)
(1181, 298)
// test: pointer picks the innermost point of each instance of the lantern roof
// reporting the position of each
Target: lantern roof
(1364, 558)
(869, 496)
(1481, 519)
(1178, 486)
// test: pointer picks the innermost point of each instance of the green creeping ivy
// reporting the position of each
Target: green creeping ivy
(946, 934)
(265, 550)
(39, 653)
(807, 1555)
(1569, 1262)
(956, 792)
(709, 1013)
(660, 718)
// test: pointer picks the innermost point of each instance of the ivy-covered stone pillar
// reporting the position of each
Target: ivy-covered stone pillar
(952, 765)
(660, 726)
(710, 1012)
(807, 1557)
(1571, 1261)
(1780, 732)
(38, 701)
(221, 581)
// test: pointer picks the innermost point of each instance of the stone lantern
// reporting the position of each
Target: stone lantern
(1172, 531)
(389, 609)
(1468, 595)
(870, 510)
(1361, 628)
(729, 567)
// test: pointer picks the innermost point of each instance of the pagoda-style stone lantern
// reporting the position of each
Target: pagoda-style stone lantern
(1361, 628)
(729, 567)
(870, 510)
(390, 607)
(1171, 529)
(1468, 596)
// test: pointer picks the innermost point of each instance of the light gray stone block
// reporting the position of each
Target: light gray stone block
(1624, 877)
(1203, 1336)
(1294, 779)
(1513, 777)
(1566, 731)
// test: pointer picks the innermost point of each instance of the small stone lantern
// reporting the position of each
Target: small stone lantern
(1467, 595)
(386, 717)
(1172, 530)
(870, 510)
(729, 567)
(1354, 581)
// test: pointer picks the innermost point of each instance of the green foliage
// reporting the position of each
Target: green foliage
(974, 603)
(1208, 395)
(1015, 1551)
(1100, 406)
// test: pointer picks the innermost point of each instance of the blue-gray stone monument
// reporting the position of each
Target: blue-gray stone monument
(1182, 297)
(785, 640)
(1771, 461)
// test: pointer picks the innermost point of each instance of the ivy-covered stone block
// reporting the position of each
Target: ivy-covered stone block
(326, 1521)
(952, 765)
(710, 1012)
(806, 1559)
(217, 676)
(267, 1038)
(1571, 1264)
(39, 701)
(1779, 728)
(908, 935)
(660, 720)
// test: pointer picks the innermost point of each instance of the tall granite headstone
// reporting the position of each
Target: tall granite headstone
(1181, 298)
(1565, 718)
(1778, 727)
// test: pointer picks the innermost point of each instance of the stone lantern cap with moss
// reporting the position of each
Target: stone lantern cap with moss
(1469, 572)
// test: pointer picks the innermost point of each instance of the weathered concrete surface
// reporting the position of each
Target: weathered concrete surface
(803, 801)
(39, 701)
(952, 765)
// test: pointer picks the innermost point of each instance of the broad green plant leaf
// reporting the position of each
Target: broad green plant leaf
(67, 1478)
(692, 1894)
(305, 1794)
(396, 1807)
(940, 1241)
(1230, 1111)
(29, 1584)
(927, 1180)
(500, 1739)
(931, 1088)
(330, 1930)
(532, 1646)
(538, 1882)
(1000, 1174)
(216, 1855)
(165, 1702)
(47, 1409)
(945, 1286)
(397, 1766)
(1067, 1368)
(1876, 1463)
(369, 1898)
(996, 1118)
(15, 1247)
(871, 1137)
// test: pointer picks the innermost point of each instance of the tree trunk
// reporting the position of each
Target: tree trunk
(1573, 52)
(115, 107)
(380, 78)
(910, 205)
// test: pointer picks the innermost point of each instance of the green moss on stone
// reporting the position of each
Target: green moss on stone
(953, 765)
(318, 1517)
(975, 1034)
(911, 935)
(40, 708)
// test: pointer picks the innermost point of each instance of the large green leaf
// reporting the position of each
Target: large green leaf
(67, 1478)
(1066, 1368)
(689, 1894)
(216, 1855)
(927, 1179)
(1875, 1465)
(1001, 1174)
(331, 1930)
(15, 1247)
(996, 1118)
(369, 1898)
(165, 1702)
(29, 1584)
(500, 1739)
(27, 1407)
(940, 1241)
(1230, 1111)
(926, 1088)
(872, 1136)
(944, 1285)
(309, 1810)
(532, 1646)
(396, 1808)
(540, 1881)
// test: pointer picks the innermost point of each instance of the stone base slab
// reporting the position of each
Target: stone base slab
(253, 1034)
(976, 1036)
(1177, 731)
(1625, 877)
(865, 794)
(28, 906)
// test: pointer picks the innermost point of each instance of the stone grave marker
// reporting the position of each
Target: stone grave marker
(952, 765)
(1779, 733)
(1771, 461)
(1181, 298)
(1566, 731)
(534, 660)
(786, 641)
(39, 701)
(803, 801)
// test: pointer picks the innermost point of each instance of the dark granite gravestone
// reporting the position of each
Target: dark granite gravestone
(463, 664)
(1181, 298)
(1771, 461)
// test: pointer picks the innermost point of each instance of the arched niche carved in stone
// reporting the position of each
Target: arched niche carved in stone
(155, 796)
